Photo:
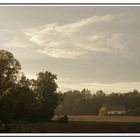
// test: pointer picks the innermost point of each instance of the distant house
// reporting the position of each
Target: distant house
(116, 110)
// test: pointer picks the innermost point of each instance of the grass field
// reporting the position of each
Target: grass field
(93, 118)
(84, 124)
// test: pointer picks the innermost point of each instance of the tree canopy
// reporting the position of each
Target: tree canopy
(9, 69)
(45, 88)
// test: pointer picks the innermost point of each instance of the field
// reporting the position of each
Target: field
(84, 124)
(93, 118)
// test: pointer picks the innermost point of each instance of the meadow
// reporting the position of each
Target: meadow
(84, 124)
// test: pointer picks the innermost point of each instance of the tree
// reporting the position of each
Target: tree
(7, 106)
(76, 103)
(25, 100)
(9, 69)
(45, 88)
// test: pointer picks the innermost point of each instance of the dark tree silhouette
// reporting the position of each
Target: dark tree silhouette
(25, 100)
(9, 70)
(22, 99)
(45, 88)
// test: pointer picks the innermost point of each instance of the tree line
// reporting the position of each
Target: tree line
(23, 99)
(83, 102)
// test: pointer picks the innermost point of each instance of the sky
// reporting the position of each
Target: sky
(94, 47)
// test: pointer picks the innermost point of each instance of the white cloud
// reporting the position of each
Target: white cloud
(76, 39)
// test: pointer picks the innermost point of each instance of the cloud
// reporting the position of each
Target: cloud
(15, 44)
(76, 39)
(14, 39)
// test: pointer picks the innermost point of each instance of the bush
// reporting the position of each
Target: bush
(63, 119)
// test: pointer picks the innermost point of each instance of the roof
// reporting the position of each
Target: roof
(116, 108)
